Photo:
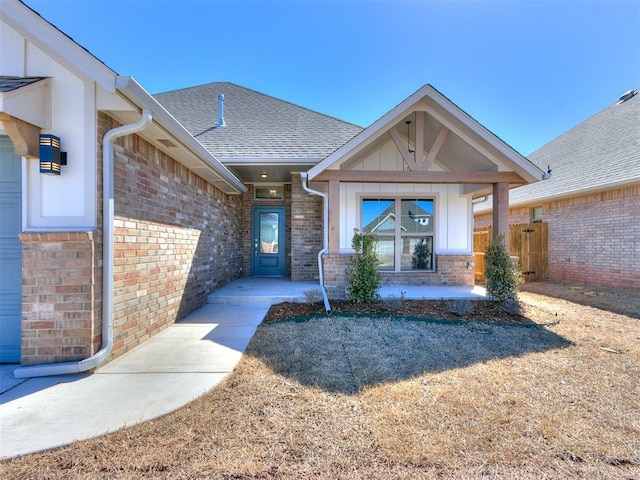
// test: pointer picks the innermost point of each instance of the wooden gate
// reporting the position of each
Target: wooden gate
(527, 241)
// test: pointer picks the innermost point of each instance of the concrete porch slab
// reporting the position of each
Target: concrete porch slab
(247, 290)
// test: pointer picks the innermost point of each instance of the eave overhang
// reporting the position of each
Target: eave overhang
(429, 100)
(169, 134)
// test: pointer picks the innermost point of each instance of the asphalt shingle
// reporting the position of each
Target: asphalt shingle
(9, 83)
(601, 152)
(257, 125)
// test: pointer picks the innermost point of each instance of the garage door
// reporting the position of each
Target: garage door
(10, 252)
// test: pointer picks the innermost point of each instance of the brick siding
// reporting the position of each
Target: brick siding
(306, 232)
(450, 270)
(60, 300)
(593, 239)
(177, 238)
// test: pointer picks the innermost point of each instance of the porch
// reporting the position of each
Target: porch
(269, 290)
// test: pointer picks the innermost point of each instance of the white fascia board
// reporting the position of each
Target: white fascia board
(522, 165)
(56, 43)
(373, 131)
(526, 167)
(488, 207)
(262, 161)
(138, 95)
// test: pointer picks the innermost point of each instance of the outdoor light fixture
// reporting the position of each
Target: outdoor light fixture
(408, 122)
(51, 158)
(264, 175)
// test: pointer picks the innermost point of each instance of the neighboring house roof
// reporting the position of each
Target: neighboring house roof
(9, 83)
(601, 152)
(259, 129)
(470, 147)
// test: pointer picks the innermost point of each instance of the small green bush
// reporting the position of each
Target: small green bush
(503, 276)
(364, 279)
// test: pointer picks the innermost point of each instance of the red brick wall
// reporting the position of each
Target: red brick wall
(596, 238)
(450, 270)
(177, 238)
(60, 301)
(307, 218)
(593, 239)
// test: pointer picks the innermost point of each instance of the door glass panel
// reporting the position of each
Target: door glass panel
(269, 232)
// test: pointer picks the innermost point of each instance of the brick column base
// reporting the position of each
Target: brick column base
(451, 270)
(61, 287)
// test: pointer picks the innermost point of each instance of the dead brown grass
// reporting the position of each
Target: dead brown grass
(356, 398)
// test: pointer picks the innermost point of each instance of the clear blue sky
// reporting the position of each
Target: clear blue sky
(527, 70)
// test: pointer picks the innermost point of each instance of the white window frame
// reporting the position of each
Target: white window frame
(398, 234)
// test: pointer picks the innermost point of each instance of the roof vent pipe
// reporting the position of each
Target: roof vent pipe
(220, 111)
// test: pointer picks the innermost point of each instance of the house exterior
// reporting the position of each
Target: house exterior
(174, 205)
(591, 203)
(165, 198)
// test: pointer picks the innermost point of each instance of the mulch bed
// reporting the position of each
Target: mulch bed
(478, 311)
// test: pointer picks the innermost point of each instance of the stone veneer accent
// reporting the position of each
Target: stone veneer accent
(593, 238)
(450, 270)
(177, 238)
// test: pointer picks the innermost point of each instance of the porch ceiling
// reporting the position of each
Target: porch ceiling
(277, 171)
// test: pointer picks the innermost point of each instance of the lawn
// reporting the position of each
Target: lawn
(375, 398)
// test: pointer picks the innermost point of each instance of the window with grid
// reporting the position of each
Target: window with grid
(404, 228)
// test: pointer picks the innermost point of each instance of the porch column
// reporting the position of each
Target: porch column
(501, 211)
(334, 216)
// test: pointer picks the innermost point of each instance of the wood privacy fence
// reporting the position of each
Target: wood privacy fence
(527, 241)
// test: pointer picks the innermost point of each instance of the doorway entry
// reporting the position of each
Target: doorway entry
(269, 241)
(10, 252)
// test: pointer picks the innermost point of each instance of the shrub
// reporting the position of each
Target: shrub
(364, 279)
(503, 276)
(312, 295)
(461, 308)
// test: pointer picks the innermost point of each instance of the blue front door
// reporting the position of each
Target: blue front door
(10, 252)
(268, 241)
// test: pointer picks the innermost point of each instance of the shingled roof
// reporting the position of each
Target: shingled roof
(601, 152)
(10, 83)
(258, 126)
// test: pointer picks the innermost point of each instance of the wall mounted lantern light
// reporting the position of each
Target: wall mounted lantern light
(51, 158)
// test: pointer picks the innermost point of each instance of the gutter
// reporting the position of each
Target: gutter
(108, 250)
(325, 205)
(138, 95)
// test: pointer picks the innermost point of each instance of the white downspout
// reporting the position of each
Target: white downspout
(304, 177)
(107, 262)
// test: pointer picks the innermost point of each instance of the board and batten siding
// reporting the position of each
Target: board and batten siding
(453, 215)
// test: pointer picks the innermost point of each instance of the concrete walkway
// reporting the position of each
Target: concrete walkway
(170, 370)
